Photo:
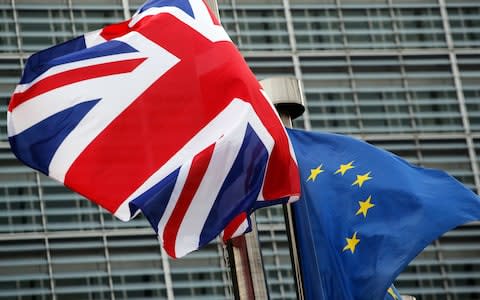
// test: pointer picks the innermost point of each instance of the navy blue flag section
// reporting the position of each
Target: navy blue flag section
(366, 213)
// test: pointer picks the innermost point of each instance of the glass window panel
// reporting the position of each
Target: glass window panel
(24, 270)
(384, 95)
(261, 27)
(368, 28)
(201, 274)
(19, 196)
(433, 95)
(8, 36)
(10, 73)
(136, 267)
(316, 27)
(65, 210)
(79, 267)
(469, 72)
(264, 67)
(43, 25)
(419, 27)
(464, 19)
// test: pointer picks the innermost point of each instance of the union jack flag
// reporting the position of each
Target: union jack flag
(158, 114)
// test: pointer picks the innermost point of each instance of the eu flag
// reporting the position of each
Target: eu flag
(366, 213)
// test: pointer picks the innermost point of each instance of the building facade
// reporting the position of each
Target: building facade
(401, 74)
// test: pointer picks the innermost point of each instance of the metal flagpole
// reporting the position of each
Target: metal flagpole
(287, 96)
(244, 257)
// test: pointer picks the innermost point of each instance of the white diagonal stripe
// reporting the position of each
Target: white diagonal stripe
(224, 155)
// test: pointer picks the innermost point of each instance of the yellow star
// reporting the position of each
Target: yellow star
(362, 178)
(351, 243)
(392, 293)
(315, 172)
(365, 206)
(344, 168)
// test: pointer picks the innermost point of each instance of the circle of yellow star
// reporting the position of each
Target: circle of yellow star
(361, 179)
(344, 168)
(351, 243)
(315, 172)
(365, 206)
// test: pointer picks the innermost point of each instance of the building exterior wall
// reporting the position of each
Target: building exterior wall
(401, 74)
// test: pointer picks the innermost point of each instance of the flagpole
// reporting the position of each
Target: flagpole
(286, 94)
(244, 256)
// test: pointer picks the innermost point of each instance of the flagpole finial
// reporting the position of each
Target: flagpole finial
(286, 94)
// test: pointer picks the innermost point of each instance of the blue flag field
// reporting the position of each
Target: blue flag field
(366, 213)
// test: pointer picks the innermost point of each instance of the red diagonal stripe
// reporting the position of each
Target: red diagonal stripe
(195, 175)
(233, 226)
(72, 76)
